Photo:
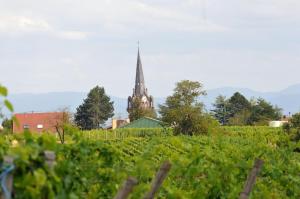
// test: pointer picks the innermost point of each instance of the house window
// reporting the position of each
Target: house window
(25, 126)
(39, 126)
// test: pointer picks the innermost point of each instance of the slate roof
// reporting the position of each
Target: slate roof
(140, 88)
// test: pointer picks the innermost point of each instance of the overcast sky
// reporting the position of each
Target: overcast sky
(73, 45)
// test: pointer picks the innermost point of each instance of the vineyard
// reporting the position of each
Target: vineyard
(95, 164)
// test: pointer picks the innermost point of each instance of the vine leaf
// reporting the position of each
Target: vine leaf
(3, 91)
(9, 105)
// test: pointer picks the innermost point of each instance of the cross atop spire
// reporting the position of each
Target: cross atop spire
(140, 88)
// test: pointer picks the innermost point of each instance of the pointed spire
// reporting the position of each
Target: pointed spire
(140, 89)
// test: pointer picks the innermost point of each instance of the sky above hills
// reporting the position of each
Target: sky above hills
(73, 45)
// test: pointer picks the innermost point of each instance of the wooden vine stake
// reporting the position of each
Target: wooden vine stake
(8, 160)
(50, 158)
(127, 188)
(251, 179)
(157, 182)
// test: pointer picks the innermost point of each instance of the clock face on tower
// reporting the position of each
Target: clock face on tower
(144, 99)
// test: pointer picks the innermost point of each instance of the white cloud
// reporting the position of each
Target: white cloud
(132, 15)
(15, 24)
(176, 15)
(263, 14)
(222, 32)
(121, 16)
(20, 25)
(72, 35)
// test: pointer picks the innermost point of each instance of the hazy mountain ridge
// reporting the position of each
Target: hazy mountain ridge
(288, 99)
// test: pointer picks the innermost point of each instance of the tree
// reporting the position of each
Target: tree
(295, 121)
(184, 112)
(137, 111)
(221, 110)
(239, 111)
(95, 110)
(238, 103)
(293, 128)
(262, 112)
(64, 124)
(234, 111)
(7, 124)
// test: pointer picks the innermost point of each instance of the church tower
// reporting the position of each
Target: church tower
(140, 92)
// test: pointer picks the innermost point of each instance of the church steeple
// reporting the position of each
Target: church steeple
(140, 88)
(140, 92)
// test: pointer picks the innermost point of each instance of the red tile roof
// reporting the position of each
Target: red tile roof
(37, 122)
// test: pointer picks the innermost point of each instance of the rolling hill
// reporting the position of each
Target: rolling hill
(287, 99)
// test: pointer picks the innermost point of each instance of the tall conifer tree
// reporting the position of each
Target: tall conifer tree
(96, 109)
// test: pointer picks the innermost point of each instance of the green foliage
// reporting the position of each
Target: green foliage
(295, 121)
(89, 169)
(95, 110)
(240, 118)
(123, 133)
(137, 111)
(287, 127)
(32, 177)
(213, 166)
(184, 112)
(293, 127)
(221, 110)
(3, 91)
(7, 124)
(238, 103)
(262, 112)
(239, 111)
(65, 126)
(6, 103)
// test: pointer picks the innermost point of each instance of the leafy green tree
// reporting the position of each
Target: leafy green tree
(234, 111)
(238, 103)
(221, 110)
(95, 110)
(137, 111)
(7, 124)
(64, 124)
(239, 111)
(293, 127)
(295, 121)
(184, 112)
(262, 112)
